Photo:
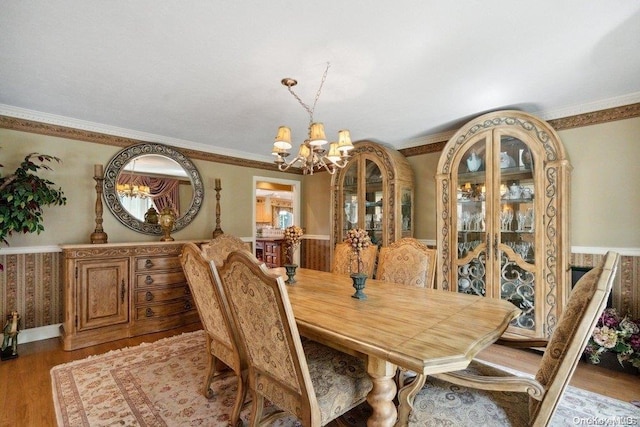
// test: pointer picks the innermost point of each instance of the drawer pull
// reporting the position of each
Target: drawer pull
(149, 312)
(187, 305)
(122, 292)
(148, 264)
(149, 296)
(148, 280)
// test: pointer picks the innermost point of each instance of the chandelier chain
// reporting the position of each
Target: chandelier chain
(310, 110)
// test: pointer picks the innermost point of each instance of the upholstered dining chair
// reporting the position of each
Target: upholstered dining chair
(345, 262)
(409, 262)
(219, 329)
(218, 248)
(484, 395)
(310, 381)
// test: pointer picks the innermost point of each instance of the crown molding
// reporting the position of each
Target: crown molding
(438, 141)
(20, 119)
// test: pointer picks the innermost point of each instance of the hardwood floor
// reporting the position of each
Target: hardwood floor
(25, 382)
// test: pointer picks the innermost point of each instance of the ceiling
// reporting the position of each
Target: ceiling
(205, 74)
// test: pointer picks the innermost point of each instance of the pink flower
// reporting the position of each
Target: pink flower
(605, 337)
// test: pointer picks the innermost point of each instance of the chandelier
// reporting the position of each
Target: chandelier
(311, 154)
(132, 188)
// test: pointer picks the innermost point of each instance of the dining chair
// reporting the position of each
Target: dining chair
(409, 262)
(484, 395)
(218, 248)
(219, 328)
(310, 381)
(345, 261)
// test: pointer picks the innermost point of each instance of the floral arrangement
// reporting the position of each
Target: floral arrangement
(617, 334)
(292, 236)
(359, 240)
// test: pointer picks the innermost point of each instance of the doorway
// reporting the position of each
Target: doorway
(277, 206)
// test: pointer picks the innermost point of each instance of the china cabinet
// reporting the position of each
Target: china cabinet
(502, 223)
(115, 291)
(373, 191)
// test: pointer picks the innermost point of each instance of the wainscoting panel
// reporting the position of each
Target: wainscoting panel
(315, 254)
(31, 285)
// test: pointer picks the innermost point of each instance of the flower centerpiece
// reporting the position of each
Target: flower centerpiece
(359, 240)
(292, 236)
(615, 334)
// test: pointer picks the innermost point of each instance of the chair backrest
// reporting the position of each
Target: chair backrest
(267, 328)
(578, 319)
(409, 262)
(220, 247)
(345, 261)
(214, 313)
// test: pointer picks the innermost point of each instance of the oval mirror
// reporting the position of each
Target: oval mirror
(150, 175)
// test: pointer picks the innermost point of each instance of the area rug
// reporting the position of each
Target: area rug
(160, 384)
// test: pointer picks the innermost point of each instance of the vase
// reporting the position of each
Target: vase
(359, 280)
(291, 273)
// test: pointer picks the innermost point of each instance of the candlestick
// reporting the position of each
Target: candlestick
(218, 231)
(98, 236)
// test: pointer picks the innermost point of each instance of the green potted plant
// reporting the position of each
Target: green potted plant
(23, 194)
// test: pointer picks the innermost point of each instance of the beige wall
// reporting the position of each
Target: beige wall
(605, 193)
(316, 206)
(74, 222)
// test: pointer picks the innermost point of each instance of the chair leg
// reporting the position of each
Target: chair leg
(208, 379)
(405, 398)
(239, 403)
(256, 409)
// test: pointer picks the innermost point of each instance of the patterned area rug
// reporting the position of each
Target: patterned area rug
(160, 384)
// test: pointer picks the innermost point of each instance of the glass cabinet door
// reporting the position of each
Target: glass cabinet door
(471, 226)
(516, 224)
(374, 215)
(350, 199)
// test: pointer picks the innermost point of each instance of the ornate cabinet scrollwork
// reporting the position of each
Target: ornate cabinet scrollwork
(503, 223)
(373, 191)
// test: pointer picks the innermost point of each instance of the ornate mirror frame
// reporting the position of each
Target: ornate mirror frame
(117, 164)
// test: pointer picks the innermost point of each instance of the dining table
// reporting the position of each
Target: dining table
(426, 331)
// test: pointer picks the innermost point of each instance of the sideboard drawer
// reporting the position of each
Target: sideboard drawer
(164, 310)
(159, 279)
(157, 263)
(160, 295)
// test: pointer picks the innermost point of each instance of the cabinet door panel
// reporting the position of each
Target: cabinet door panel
(103, 298)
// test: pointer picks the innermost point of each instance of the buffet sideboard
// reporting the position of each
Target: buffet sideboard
(121, 290)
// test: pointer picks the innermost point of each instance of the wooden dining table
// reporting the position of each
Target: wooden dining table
(426, 331)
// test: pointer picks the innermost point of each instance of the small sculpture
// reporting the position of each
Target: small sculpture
(151, 216)
(166, 220)
(10, 341)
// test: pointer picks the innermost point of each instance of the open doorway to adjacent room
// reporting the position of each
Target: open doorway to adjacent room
(277, 206)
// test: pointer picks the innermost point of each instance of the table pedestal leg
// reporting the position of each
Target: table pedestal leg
(381, 395)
